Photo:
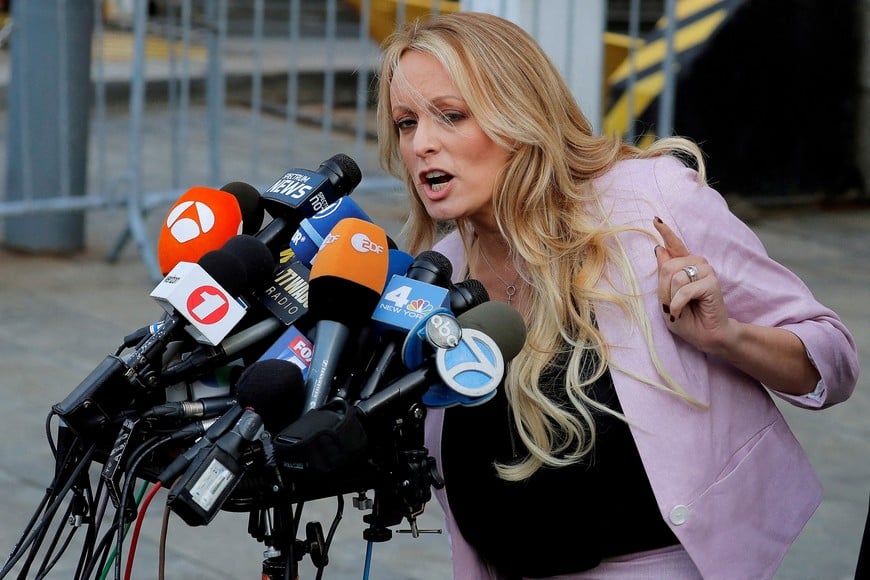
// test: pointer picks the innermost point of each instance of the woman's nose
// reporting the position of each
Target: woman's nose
(426, 138)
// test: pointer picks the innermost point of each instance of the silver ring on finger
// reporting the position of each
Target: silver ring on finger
(691, 272)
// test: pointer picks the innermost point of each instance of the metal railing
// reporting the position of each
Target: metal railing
(204, 92)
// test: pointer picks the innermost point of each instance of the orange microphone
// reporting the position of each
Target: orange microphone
(348, 274)
(200, 221)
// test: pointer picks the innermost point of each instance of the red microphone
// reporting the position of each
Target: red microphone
(200, 221)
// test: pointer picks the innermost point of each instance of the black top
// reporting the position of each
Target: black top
(561, 520)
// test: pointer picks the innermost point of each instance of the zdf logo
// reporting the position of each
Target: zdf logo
(362, 243)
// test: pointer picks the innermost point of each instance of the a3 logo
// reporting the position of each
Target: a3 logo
(189, 220)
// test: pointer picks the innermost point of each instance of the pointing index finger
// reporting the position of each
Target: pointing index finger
(673, 244)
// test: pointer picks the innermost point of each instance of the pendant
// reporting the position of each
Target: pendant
(510, 290)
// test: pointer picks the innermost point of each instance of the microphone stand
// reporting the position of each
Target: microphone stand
(280, 560)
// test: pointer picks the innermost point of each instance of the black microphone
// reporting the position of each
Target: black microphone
(301, 193)
(271, 394)
(250, 205)
(274, 388)
(258, 259)
(433, 268)
(467, 294)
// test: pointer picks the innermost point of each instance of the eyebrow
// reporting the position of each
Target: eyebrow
(433, 104)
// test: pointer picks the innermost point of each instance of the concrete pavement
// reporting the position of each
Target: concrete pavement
(59, 316)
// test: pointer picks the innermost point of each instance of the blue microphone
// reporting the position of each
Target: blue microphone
(312, 231)
(406, 301)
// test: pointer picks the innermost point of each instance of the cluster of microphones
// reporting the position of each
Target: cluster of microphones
(293, 361)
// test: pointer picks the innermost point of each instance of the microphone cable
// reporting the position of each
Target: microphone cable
(129, 481)
(26, 542)
(49, 491)
(161, 554)
(121, 529)
(339, 511)
(135, 537)
(87, 552)
(48, 562)
(103, 555)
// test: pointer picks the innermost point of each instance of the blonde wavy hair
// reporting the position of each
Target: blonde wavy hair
(545, 204)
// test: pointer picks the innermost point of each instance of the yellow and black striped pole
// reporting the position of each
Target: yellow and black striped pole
(637, 81)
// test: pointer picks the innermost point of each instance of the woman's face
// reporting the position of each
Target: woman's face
(452, 161)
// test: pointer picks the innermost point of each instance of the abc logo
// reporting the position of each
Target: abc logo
(189, 219)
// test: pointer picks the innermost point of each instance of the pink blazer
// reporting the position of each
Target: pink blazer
(732, 481)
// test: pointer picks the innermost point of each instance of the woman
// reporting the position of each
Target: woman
(635, 436)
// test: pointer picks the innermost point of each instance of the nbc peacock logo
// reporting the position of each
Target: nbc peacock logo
(420, 306)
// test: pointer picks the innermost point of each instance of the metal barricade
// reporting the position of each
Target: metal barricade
(194, 92)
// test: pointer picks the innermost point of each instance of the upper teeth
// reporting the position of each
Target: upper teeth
(435, 174)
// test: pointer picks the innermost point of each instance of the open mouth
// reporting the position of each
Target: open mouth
(437, 180)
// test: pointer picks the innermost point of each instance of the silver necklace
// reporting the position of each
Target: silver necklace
(510, 288)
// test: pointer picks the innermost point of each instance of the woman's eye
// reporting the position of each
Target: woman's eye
(404, 123)
(454, 116)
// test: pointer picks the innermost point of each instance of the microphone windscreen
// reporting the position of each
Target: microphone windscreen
(467, 294)
(306, 241)
(201, 220)
(250, 204)
(255, 256)
(346, 174)
(350, 272)
(275, 390)
(227, 270)
(433, 268)
(500, 322)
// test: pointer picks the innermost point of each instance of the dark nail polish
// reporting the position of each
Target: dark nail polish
(673, 319)
(659, 220)
(666, 309)
(656, 250)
